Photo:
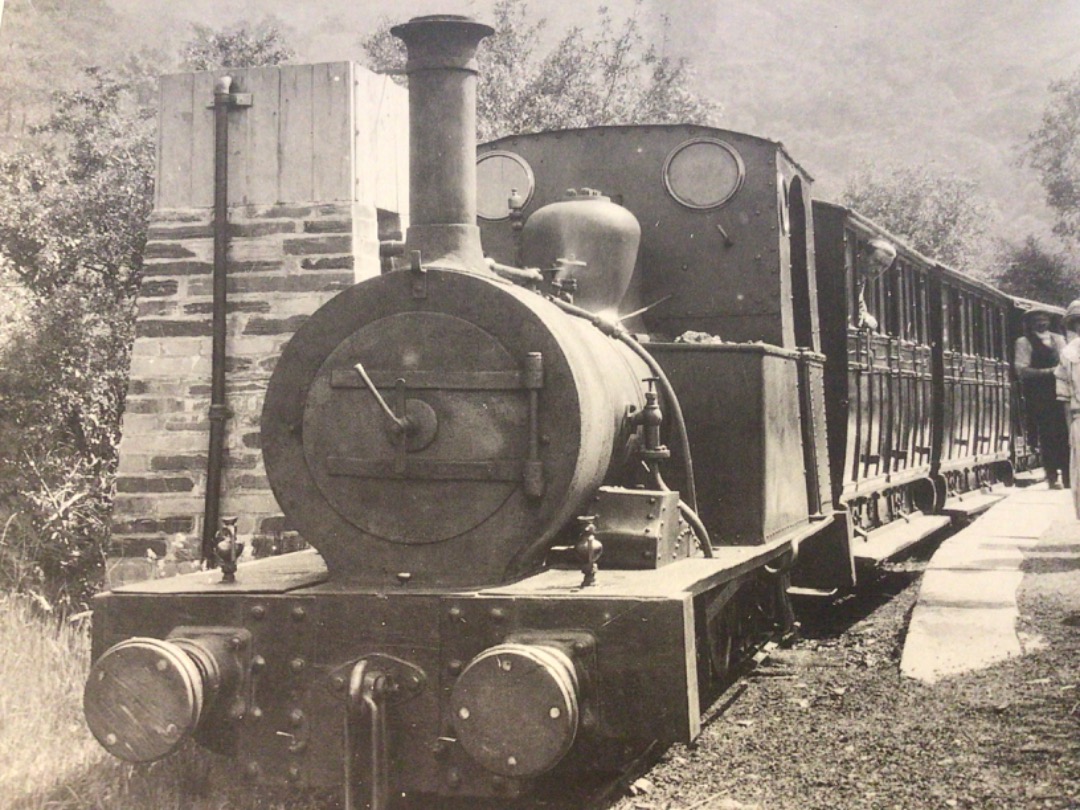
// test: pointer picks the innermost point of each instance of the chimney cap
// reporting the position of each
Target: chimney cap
(442, 22)
(441, 42)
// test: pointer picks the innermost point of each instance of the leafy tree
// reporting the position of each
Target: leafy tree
(610, 76)
(1034, 271)
(237, 47)
(938, 213)
(73, 217)
(45, 47)
(63, 387)
(80, 202)
(1054, 151)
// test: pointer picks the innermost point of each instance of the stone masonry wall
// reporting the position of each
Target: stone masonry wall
(284, 262)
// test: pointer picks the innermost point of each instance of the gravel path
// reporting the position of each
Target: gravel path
(829, 723)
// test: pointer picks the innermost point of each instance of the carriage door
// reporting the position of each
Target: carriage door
(811, 369)
(801, 304)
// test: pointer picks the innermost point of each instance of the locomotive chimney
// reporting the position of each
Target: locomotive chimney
(442, 139)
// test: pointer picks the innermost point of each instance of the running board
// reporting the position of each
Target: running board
(971, 504)
(889, 541)
(817, 593)
(1029, 477)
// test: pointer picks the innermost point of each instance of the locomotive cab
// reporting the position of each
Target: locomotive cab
(723, 288)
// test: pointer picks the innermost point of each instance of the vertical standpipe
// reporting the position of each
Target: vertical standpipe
(442, 139)
(219, 409)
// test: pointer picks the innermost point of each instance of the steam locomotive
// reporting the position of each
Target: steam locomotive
(562, 468)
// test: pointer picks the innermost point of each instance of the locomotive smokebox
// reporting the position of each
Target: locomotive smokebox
(442, 147)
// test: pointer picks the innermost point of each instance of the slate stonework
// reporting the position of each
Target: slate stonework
(318, 168)
(284, 262)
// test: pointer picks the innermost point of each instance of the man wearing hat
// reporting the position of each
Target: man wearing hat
(1036, 356)
(1068, 389)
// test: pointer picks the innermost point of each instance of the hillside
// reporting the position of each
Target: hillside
(841, 82)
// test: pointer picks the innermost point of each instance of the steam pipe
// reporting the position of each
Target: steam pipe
(696, 523)
(442, 143)
(619, 333)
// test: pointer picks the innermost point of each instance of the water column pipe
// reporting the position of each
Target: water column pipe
(219, 414)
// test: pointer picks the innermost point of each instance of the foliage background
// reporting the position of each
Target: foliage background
(953, 84)
(75, 202)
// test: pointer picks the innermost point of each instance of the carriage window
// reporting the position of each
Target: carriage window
(959, 324)
(957, 321)
(993, 332)
(852, 278)
(946, 321)
(498, 175)
(875, 300)
(907, 303)
(923, 302)
(966, 328)
(978, 327)
(703, 173)
(919, 301)
(894, 302)
(984, 326)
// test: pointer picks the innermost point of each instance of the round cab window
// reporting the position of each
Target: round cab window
(498, 175)
(703, 173)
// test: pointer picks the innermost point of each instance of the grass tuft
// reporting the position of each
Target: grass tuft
(43, 666)
(50, 761)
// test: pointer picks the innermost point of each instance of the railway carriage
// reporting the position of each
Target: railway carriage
(975, 395)
(919, 392)
(879, 334)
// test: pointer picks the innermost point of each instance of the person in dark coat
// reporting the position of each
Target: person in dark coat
(1038, 352)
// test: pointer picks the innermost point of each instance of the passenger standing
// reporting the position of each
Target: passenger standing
(1037, 354)
(1068, 389)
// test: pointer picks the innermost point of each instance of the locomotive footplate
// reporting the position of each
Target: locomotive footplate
(476, 693)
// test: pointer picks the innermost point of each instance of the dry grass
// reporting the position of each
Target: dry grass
(50, 761)
(43, 738)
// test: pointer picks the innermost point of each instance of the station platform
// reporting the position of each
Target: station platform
(966, 614)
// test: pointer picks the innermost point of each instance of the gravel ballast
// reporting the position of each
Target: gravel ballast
(830, 723)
